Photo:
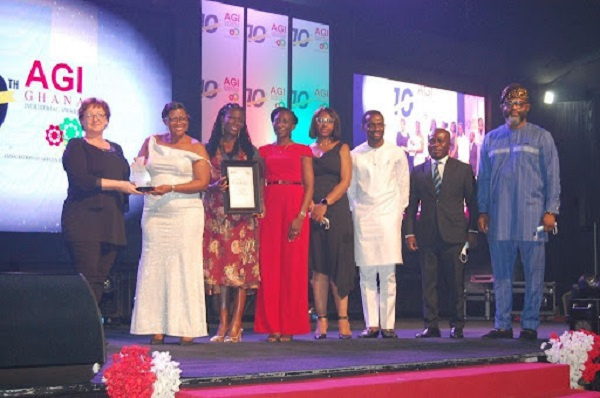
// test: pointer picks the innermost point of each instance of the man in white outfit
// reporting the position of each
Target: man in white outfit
(378, 195)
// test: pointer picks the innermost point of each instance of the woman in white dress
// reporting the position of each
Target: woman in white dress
(170, 285)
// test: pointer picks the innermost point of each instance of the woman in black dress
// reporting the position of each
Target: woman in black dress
(331, 250)
(92, 220)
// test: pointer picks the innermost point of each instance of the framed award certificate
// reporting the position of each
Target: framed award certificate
(243, 178)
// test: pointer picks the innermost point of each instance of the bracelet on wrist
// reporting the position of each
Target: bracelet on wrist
(302, 214)
(172, 188)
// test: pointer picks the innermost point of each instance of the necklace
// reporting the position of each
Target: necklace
(282, 147)
(325, 142)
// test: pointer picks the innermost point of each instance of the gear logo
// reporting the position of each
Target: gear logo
(68, 129)
(71, 129)
(54, 135)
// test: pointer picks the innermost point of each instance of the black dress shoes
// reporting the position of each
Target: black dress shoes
(428, 333)
(528, 334)
(456, 333)
(369, 334)
(499, 334)
(388, 334)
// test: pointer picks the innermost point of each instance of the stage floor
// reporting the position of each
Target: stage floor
(254, 359)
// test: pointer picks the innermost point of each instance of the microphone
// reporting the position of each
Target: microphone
(464, 253)
(538, 230)
(541, 229)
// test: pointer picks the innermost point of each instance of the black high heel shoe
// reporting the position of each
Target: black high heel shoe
(344, 336)
(320, 336)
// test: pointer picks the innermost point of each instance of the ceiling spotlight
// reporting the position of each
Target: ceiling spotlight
(549, 97)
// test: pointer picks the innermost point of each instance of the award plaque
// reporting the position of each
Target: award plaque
(243, 194)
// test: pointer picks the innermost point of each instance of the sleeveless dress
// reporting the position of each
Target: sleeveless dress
(170, 287)
(230, 240)
(332, 251)
(282, 299)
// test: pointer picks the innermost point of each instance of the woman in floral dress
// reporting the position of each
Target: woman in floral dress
(230, 240)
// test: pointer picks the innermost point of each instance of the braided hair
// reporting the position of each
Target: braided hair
(243, 141)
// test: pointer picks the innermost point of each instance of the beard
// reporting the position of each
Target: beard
(515, 120)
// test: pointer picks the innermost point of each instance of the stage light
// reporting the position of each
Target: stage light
(549, 97)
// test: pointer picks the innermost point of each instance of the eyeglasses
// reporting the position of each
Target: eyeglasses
(98, 116)
(323, 120)
(518, 103)
(179, 119)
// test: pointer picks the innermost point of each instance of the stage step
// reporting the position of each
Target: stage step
(530, 380)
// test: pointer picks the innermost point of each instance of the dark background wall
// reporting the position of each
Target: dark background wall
(465, 45)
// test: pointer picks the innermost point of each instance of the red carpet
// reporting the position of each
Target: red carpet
(529, 380)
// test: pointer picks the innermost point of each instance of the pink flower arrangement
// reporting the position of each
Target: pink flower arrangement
(580, 350)
(134, 374)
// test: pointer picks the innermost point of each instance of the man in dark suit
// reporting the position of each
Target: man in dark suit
(441, 187)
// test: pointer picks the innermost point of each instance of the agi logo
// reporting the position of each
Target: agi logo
(40, 96)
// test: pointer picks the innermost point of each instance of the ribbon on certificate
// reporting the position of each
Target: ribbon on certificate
(6, 97)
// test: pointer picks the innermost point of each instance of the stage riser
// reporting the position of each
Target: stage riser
(526, 380)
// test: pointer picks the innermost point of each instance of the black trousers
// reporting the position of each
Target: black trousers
(442, 261)
(94, 260)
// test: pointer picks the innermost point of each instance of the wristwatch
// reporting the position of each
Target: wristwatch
(324, 202)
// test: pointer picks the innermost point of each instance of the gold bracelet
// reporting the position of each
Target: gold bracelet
(302, 213)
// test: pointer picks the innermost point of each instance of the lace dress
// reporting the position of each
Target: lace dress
(170, 285)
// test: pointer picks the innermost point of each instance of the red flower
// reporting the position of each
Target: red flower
(591, 365)
(130, 375)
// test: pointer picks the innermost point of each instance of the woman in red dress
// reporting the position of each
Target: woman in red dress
(230, 240)
(282, 299)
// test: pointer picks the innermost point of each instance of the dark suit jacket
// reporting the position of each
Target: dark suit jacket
(444, 213)
(473, 152)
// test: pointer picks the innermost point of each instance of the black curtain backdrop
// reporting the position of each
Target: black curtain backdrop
(575, 128)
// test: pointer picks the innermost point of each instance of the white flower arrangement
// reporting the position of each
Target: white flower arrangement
(167, 375)
(576, 349)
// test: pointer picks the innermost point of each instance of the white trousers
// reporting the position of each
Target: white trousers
(379, 306)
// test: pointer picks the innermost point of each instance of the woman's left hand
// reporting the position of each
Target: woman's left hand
(161, 190)
(295, 228)
(318, 212)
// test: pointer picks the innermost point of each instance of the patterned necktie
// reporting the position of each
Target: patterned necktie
(437, 178)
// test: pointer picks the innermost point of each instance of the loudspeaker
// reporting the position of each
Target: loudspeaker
(50, 330)
(584, 313)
